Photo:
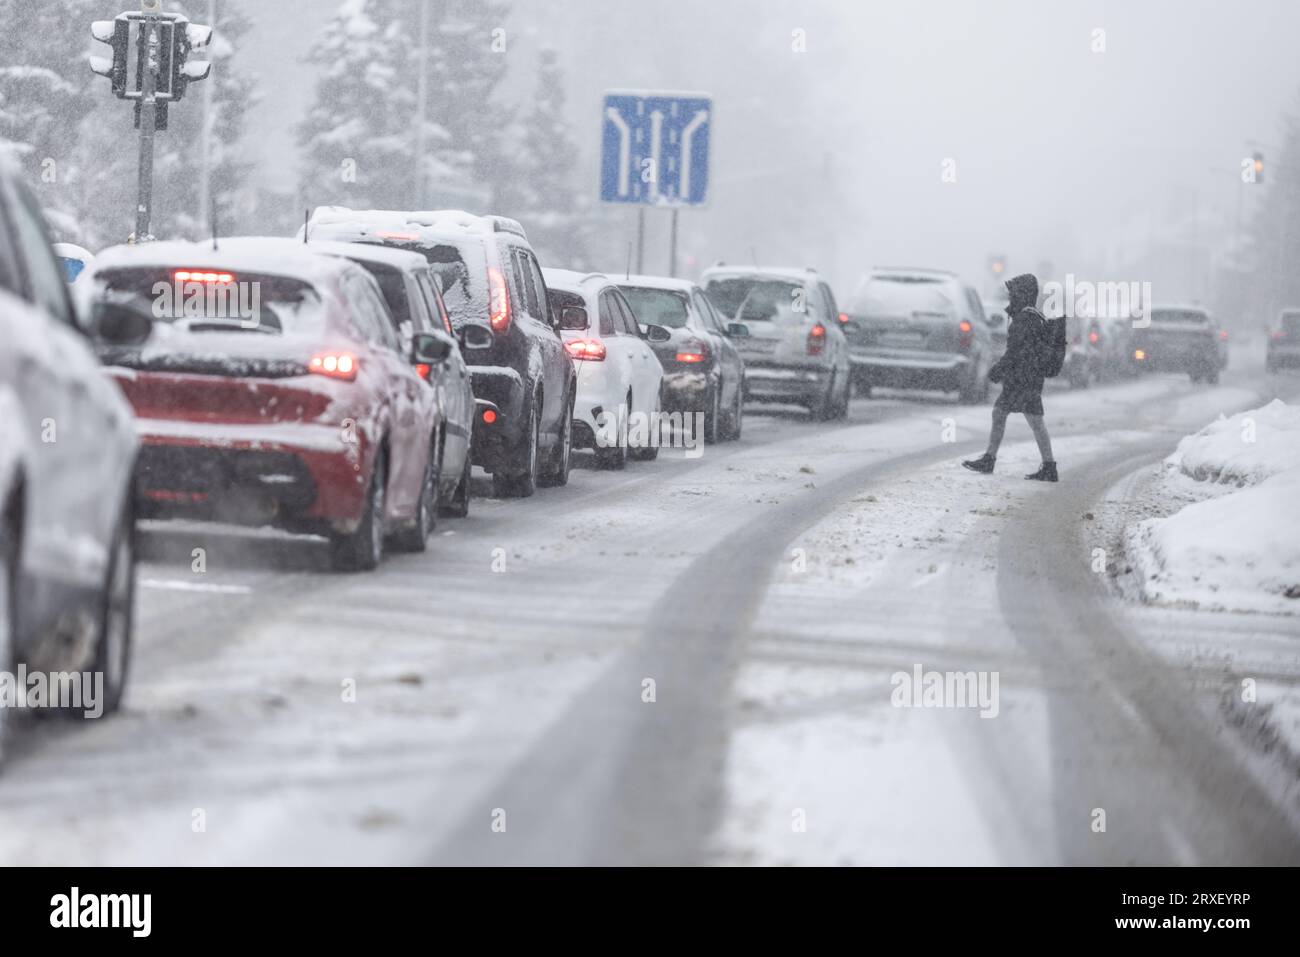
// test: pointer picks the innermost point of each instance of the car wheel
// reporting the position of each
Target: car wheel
(363, 548)
(558, 473)
(458, 507)
(113, 649)
(649, 453)
(522, 484)
(614, 458)
(713, 417)
(8, 614)
(822, 407)
(416, 538)
(736, 417)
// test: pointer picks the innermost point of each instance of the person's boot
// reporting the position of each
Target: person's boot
(983, 464)
(1045, 473)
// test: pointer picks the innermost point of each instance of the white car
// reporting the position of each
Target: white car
(619, 377)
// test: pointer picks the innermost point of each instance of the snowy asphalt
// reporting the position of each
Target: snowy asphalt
(486, 702)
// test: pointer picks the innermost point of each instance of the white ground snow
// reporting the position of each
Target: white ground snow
(1236, 546)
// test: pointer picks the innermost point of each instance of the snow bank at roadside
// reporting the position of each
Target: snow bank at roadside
(1236, 550)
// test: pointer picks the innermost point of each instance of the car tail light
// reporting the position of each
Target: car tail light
(1094, 338)
(592, 349)
(1223, 335)
(816, 339)
(489, 416)
(964, 329)
(693, 351)
(336, 365)
(498, 300)
(423, 370)
(844, 317)
(1277, 335)
(212, 278)
(1139, 355)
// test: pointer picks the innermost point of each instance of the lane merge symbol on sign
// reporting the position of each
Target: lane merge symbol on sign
(655, 148)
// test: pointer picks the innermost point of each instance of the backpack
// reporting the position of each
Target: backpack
(1052, 347)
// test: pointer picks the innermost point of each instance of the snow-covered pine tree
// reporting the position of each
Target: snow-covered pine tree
(358, 141)
(46, 90)
(551, 209)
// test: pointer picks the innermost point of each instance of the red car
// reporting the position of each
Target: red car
(276, 390)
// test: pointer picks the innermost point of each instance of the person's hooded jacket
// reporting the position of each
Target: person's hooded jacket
(1019, 369)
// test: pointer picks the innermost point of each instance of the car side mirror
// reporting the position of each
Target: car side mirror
(656, 333)
(121, 322)
(737, 330)
(573, 319)
(475, 337)
(428, 348)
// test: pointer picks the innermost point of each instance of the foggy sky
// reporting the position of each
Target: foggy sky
(835, 154)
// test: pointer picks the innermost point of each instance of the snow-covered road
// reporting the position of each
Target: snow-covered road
(694, 661)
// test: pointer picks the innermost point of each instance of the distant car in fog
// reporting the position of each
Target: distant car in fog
(67, 456)
(1284, 342)
(492, 284)
(1181, 339)
(703, 369)
(619, 375)
(1111, 338)
(920, 329)
(787, 328)
(277, 391)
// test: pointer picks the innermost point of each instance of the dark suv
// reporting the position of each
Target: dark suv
(523, 380)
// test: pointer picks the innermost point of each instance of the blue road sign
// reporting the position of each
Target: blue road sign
(655, 148)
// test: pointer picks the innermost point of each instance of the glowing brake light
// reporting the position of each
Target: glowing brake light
(1094, 338)
(844, 317)
(336, 365)
(964, 339)
(498, 300)
(1139, 355)
(214, 278)
(592, 349)
(692, 352)
(489, 416)
(1223, 334)
(816, 339)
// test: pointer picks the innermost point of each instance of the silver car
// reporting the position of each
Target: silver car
(786, 326)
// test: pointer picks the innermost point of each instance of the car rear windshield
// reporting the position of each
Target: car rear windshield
(657, 307)
(1291, 323)
(1179, 317)
(754, 300)
(900, 296)
(222, 300)
(461, 269)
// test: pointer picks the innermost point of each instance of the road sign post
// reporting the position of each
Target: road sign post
(655, 153)
(148, 118)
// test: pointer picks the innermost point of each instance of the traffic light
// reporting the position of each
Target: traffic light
(188, 38)
(997, 265)
(176, 39)
(1259, 166)
(117, 34)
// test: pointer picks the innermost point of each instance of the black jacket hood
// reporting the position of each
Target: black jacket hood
(1023, 291)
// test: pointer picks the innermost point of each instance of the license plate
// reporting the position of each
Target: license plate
(761, 346)
(902, 339)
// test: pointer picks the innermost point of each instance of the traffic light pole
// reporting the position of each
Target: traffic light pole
(148, 126)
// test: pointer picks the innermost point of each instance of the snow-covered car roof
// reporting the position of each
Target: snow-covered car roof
(73, 251)
(403, 259)
(262, 255)
(791, 273)
(658, 282)
(571, 280)
(442, 221)
(924, 271)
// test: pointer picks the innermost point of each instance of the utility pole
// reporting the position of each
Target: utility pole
(421, 106)
(205, 176)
